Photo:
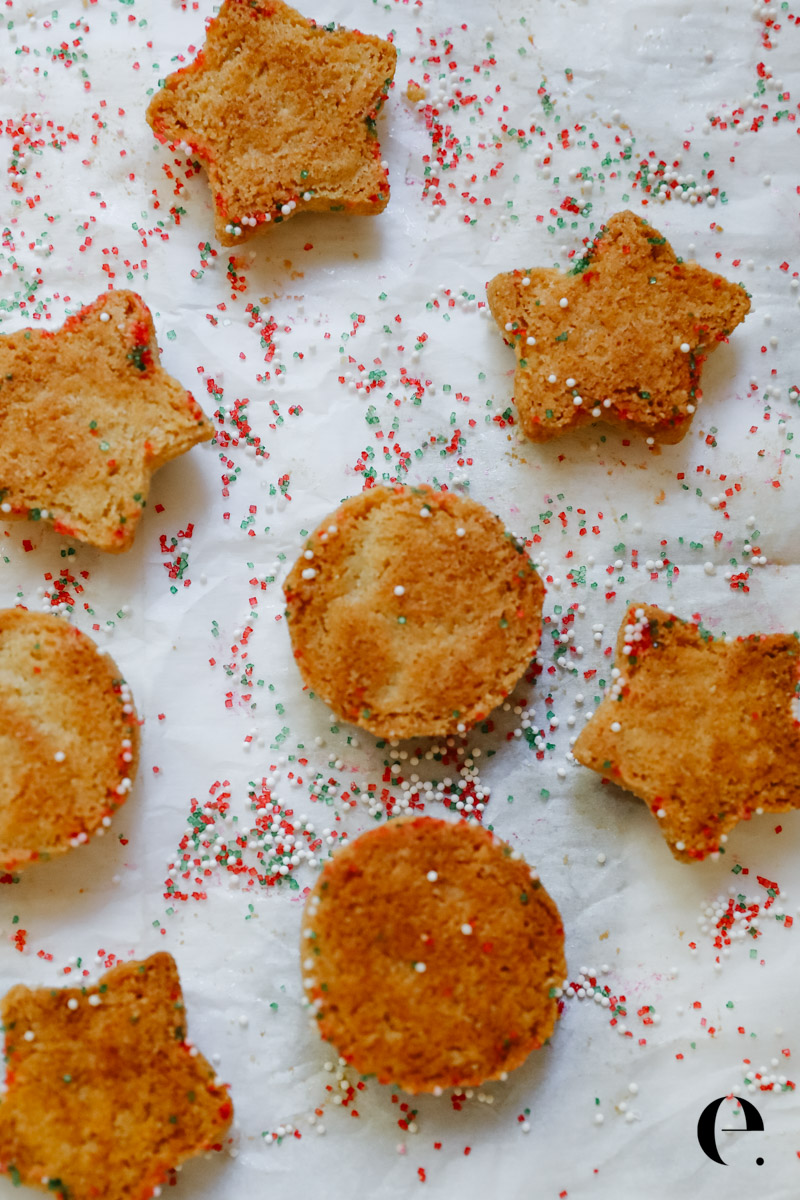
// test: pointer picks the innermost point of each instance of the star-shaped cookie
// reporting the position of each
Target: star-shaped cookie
(700, 729)
(87, 414)
(281, 112)
(622, 336)
(105, 1095)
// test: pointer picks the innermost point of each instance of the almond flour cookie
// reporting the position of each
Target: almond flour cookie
(281, 112)
(69, 738)
(432, 955)
(621, 337)
(87, 414)
(701, 730)
(105, 1095)
(413, 612)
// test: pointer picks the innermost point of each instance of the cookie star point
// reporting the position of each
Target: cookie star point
(281, 112)
(701, 729)
(87, 414)
(105, 1095)
(621, 337)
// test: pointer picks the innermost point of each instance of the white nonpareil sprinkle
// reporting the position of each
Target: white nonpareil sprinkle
(309, 573)
(104, 316)
(420, 968)
(466, 930)
(432, 876)
(685, 347)
(399, 590)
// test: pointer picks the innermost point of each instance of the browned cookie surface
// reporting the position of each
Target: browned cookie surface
(281, 112)
(87, 414)
(702, 730)
(432, 955)
(105, 1094)
(413, 612)
(69, 738)
(621, 337)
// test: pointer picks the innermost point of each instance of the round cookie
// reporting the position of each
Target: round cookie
(431, 954)
(412, 612)
(69, 737)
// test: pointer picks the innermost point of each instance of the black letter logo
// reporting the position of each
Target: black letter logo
(705, 1127)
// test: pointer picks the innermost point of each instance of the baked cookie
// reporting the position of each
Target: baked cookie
(105, 1095)
(621, 337)
(281, 112)
(703, 731)
(87, 414)
(432, 955)
(69, 738)
(413, 612)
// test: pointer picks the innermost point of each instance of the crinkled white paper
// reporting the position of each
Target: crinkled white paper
(661, 74)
